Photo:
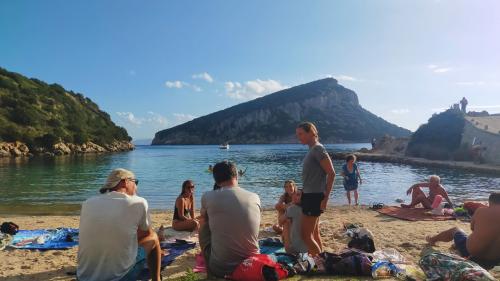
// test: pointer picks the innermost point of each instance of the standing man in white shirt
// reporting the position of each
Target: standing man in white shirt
(115, 237)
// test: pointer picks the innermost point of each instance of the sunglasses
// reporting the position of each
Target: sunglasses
(136, 181)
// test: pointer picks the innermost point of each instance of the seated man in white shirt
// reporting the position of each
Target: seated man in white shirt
(115, 237)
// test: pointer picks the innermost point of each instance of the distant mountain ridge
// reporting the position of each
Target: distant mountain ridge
(273, 119)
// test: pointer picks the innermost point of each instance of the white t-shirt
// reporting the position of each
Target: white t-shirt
(108, 235)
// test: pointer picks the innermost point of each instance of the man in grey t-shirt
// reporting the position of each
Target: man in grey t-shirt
(230, 222)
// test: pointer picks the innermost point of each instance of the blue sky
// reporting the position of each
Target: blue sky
(155, 64)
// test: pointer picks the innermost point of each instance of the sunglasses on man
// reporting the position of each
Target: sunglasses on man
(136, 181)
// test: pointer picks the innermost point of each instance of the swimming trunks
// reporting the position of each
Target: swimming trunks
(460, 240)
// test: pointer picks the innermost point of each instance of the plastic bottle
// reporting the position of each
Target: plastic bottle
(384, 269)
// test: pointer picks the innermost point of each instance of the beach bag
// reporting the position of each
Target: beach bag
(9, 228)
(449, 267)
(348, 263)
(364, 244)
(259, 267)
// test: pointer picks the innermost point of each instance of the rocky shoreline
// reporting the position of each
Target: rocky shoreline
(19, 149)
(399, 159)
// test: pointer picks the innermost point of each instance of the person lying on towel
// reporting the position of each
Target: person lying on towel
(483, 245)
(419, 197)
(116, 238)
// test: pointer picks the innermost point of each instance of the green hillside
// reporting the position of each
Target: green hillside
(439, 138)
(40, 114)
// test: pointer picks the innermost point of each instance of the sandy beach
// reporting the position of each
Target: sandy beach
(407, 237)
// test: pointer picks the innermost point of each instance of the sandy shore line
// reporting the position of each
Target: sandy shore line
(407, 237)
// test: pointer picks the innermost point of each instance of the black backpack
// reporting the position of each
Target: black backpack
(9, 228)
(364, 244)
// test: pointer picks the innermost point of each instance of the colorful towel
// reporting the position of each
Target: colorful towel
(174, 250)
(270, 246)
(45, 239)
(413, 214)
(442, 266)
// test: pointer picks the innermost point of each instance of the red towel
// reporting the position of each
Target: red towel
(412, 214)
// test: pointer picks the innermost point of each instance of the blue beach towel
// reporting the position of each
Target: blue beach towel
(174, 250)
(45, 239)
(270, 246)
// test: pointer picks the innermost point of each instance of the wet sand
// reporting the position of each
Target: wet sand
(407, 237)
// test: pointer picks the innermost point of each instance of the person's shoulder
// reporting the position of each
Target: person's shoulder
(208, 194)
(319, 147)
(137, 199)
(94, 199)
(249, 194)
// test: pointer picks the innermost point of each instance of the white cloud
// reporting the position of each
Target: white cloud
(175, 84)
(438, 69)
(181, 84)
(471, 83)
(348, 78)
(442, 69)
(400, 111)
(203, 76)
(152, 118)
(156, 119)
(252, 89)
(183, 118)
(130, 118)
(196, 88)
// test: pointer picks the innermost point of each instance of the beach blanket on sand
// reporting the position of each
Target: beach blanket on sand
(45, 239)
(174, 250)
(271, 246)
(412, 214)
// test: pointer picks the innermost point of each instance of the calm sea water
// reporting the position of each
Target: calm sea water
(61, 184)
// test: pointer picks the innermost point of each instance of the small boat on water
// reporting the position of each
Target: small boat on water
(224, 146)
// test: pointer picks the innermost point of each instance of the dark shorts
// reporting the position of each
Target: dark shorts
(460, 240)
(311, 204)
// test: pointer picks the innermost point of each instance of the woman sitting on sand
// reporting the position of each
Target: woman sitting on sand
(284, 202)
(184, 219)
(351, 175)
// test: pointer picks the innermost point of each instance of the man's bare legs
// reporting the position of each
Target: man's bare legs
(151, 245)
(418, 196)
(445, 236)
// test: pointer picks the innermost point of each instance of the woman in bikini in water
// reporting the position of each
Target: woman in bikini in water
(184, 218)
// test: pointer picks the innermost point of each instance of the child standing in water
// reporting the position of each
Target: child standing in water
(283, 203)
(350, 173)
